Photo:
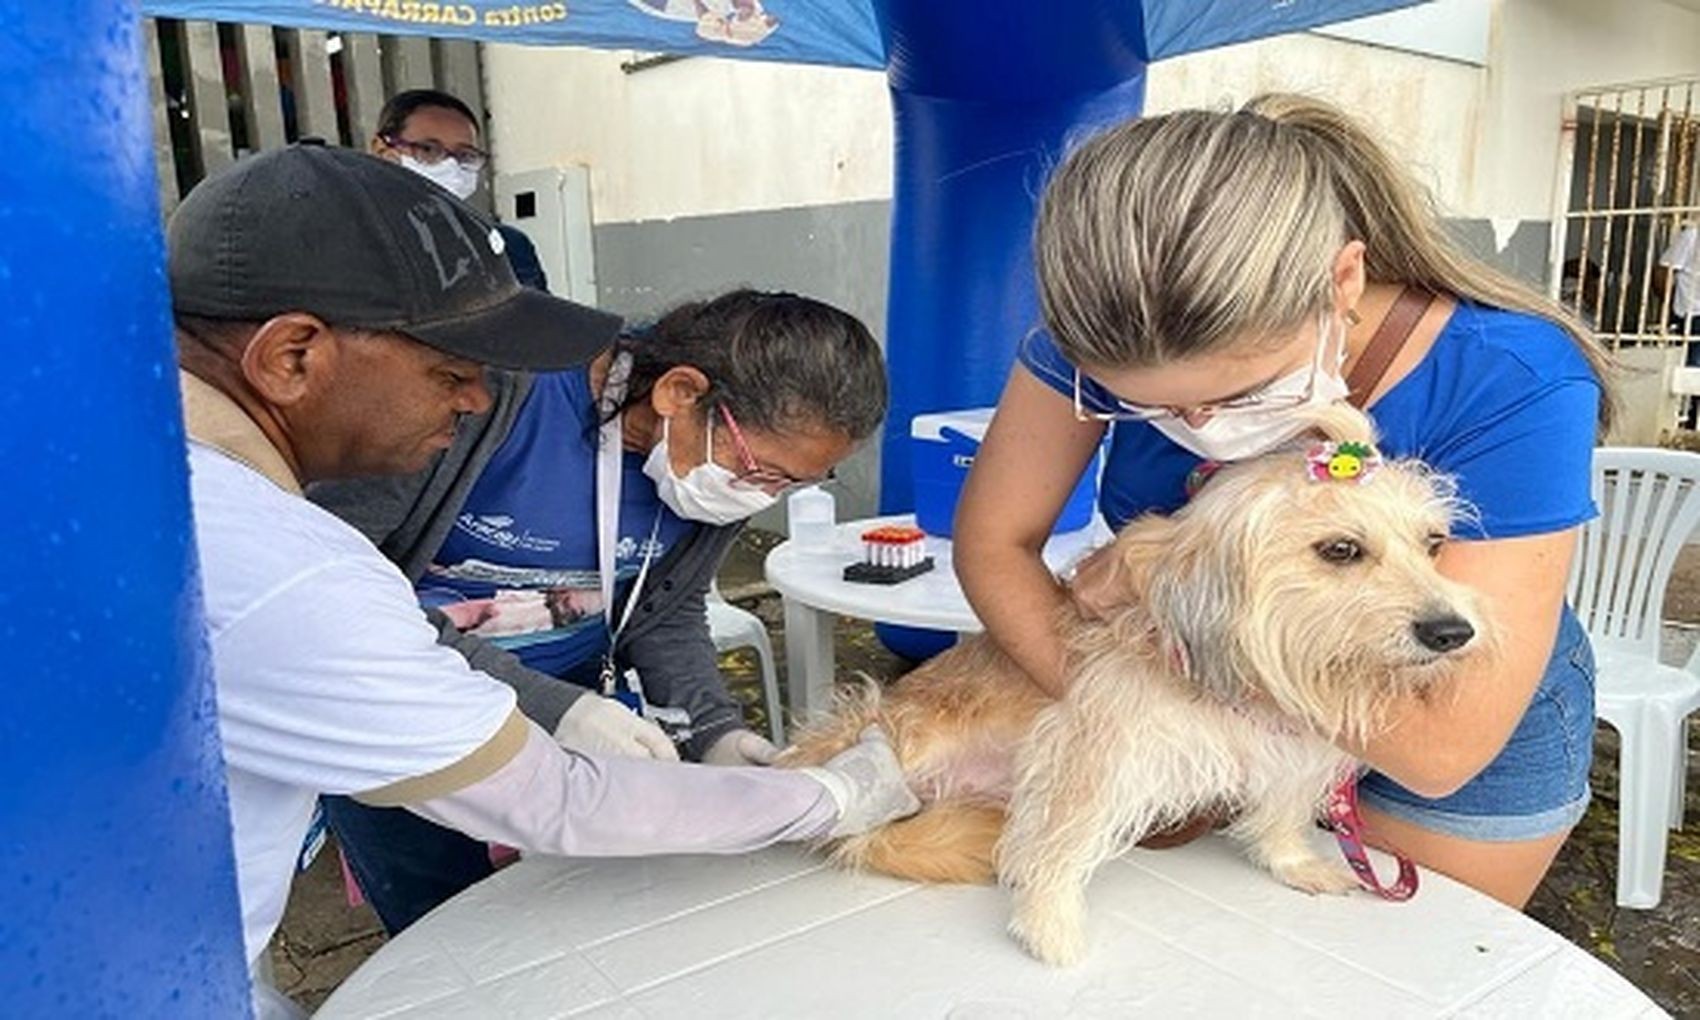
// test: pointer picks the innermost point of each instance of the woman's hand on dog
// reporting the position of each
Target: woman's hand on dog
(1098, 586)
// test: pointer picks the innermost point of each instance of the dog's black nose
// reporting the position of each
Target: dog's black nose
(1444, 633)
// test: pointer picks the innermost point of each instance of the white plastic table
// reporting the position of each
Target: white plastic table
(1190, 932)
(814, 590)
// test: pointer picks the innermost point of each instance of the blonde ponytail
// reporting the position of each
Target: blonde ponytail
(1397, 220)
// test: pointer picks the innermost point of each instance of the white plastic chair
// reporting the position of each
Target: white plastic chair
(731, 627)
(1649, 504)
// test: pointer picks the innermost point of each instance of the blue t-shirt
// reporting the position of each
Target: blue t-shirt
(1504, 402)
(519, 565)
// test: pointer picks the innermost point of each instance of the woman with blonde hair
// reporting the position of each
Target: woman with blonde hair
(1208, 276)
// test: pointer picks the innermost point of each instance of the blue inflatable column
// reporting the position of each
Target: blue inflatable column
(985, 93)
(117, 888)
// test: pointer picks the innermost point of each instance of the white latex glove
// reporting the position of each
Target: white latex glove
(867, 782)
(600, 726)
(740, 747)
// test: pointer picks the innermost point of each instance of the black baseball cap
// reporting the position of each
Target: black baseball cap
(362, 242)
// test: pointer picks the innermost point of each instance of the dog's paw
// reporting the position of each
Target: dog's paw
(1314, 875)
(1052, 933)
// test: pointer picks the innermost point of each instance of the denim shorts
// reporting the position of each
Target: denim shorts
(1538, 786)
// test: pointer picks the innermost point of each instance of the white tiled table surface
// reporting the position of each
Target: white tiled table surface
(812, 583)
(1192, 932)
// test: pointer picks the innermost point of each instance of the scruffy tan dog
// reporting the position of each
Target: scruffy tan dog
(1284, 608)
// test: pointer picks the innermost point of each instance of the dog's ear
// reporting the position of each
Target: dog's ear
(1113, 577)
(1181, 576)
(1194, 598)
(1099, 586)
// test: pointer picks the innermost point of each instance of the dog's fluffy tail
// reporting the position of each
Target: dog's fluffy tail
(949, 842)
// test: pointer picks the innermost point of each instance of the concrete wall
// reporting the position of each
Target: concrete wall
(693, 137)
(1423, 107)
(1485, 138)
(1543, 49)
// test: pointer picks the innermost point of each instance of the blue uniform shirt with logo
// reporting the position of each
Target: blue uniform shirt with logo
(519, 566)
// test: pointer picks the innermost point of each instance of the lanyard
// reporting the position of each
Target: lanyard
(610, 456)
(609, 467)
(610, 464)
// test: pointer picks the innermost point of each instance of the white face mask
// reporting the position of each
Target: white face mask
(447, 174)
(1239, 434)
(707, 492)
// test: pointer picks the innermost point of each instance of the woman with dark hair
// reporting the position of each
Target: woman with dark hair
(613, 490)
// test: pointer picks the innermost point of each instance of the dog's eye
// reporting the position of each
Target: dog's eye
(1433, 543)
(1339, 551)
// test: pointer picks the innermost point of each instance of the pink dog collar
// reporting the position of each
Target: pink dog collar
(1348, 825)
(1200, 474)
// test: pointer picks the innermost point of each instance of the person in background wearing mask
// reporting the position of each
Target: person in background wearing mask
(1206, 277)
(567, 541)
(436, 136)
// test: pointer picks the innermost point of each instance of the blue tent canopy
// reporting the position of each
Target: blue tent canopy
(846, 33)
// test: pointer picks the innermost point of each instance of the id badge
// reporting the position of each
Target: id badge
(608, 678)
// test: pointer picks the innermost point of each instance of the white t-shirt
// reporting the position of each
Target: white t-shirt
(329, 679)
(1683, 259)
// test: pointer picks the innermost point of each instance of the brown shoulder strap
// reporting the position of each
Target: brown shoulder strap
(1385, 345)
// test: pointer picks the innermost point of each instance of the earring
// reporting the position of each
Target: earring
(1352, 317)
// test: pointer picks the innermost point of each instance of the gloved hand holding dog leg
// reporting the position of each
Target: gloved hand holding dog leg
(868, 784)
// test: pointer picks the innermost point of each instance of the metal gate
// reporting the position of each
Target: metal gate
(1626, 243)
(221, 90)
(1630, 184)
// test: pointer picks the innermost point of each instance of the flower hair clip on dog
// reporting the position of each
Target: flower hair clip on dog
(1342, 462)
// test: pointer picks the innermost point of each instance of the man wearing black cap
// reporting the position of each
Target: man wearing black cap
(334, 316)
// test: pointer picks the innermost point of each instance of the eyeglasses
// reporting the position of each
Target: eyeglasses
(428, 152)
(1257, 400)
(751, 473)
